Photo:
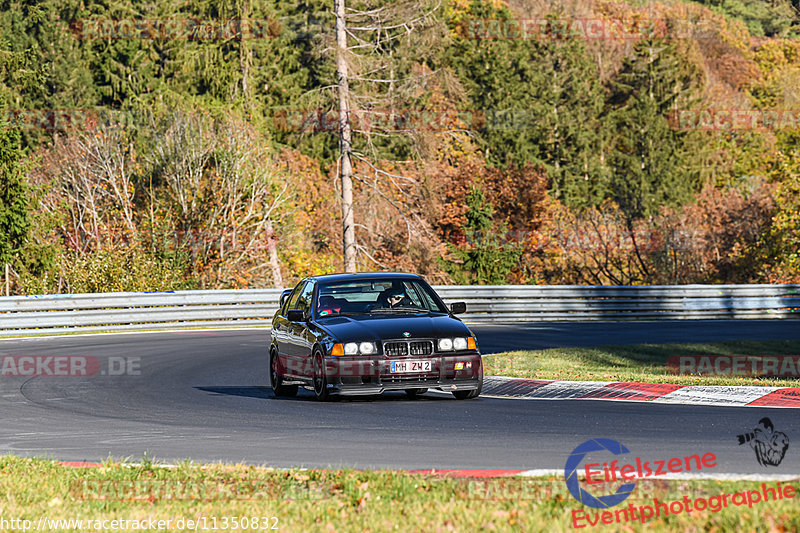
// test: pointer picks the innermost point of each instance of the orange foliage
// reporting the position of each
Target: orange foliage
(721, 233)
(309, 236)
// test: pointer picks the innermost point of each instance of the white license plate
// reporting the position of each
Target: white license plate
(399, 367)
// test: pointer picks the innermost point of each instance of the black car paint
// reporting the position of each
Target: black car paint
(294, 342)
(380, 327)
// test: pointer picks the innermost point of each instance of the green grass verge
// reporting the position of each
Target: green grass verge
(346, 500)
(639, 363)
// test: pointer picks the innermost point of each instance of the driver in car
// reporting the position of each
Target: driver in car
(395, 298)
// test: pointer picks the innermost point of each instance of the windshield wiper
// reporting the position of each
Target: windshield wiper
(398, 310)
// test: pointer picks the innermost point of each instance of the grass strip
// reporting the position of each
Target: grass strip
(346, 500)
(637, 363)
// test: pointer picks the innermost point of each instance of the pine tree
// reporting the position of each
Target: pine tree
(486, 258)
(14, 196)
(543, 98)
(650, 163)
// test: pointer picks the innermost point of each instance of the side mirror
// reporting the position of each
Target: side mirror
(296, 315)
(457, 308)
(285, 294)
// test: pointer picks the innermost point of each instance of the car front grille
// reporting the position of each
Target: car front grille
(394, 349)
(400, 348)
(421, 347)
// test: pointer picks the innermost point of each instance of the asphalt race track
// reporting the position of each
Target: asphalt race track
(205, 396)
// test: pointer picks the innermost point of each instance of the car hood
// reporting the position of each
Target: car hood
(382, 327)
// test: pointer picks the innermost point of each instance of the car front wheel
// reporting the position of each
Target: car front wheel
(321, 392)
(278, 388)
(470, 394)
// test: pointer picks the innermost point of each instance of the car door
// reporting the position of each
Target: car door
(282, 330)
(300, 338)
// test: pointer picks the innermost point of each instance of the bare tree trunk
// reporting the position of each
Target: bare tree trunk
(277, 279)
(8, 292)
(245, 55)
(345, 142)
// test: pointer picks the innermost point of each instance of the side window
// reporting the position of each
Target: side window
(413, 295)
(304, 301)
(430, 303)
(291, 302)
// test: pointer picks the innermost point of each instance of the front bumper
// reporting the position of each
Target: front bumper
(372, 375)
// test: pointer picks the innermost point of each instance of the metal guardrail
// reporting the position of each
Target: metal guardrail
(504, 303)
(131, 311)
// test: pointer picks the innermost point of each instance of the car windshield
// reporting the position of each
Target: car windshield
(376, 296)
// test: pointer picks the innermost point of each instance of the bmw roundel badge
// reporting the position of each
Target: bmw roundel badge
(406, 334)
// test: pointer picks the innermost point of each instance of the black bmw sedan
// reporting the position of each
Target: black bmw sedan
(362, 334)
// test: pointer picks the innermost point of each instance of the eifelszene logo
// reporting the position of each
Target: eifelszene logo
(571, 475)
(614, 471)
(770, 445)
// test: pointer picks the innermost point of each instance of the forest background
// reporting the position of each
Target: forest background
(164, 145)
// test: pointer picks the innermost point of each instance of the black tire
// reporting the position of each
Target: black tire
(321, 392)
(470, 394)
(278, 388)
(415, 393)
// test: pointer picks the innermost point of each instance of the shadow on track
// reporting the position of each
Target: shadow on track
(266, 393)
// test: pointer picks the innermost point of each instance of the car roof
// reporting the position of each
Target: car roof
(364, 275)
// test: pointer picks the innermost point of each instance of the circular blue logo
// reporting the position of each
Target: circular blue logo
(571, 477)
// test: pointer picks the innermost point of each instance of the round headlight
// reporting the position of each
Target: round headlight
(350, 348)
(460, 343)
(367, 348)
(445, 345)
